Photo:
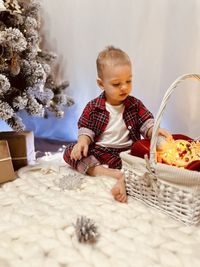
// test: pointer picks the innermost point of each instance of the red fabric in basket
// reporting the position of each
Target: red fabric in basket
(142, 147)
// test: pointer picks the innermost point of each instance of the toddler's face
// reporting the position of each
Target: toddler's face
(116, 81)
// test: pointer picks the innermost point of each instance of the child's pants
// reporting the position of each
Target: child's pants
(97, 155)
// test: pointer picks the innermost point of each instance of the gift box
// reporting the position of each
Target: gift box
(21, 146)
(6, 167)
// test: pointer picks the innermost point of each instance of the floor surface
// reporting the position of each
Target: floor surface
(43, 145)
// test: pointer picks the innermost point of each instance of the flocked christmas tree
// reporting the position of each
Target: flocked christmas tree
(26, 71)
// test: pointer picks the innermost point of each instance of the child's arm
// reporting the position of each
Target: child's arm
(80, 149)
(161, 132)
(85, 133)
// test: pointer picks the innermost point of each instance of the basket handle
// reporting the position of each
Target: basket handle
(160, 113)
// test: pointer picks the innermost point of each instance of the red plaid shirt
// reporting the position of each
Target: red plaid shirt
(95, 117)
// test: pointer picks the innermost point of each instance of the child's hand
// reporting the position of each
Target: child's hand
(166, 134)
(80, 149)
(162, 132)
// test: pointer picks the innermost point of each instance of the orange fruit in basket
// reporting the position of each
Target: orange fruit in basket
(180, 152)
(142, 147)
(177, 153)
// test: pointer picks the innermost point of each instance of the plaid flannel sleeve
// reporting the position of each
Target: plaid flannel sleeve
(146, 119)
(85, 123)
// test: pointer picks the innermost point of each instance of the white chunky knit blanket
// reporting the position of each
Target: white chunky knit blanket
(38, 213)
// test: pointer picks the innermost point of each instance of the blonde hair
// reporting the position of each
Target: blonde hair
(111, 56)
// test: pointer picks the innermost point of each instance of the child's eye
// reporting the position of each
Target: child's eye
(129, 81)
(116, 84)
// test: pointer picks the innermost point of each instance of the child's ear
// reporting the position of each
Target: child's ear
(100, 83)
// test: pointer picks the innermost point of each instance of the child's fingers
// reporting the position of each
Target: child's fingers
(169, 136)
(73, 156)
(76, 153)
(166, 134)
(85, 151)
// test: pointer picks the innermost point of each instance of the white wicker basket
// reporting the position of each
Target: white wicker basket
(173, 190)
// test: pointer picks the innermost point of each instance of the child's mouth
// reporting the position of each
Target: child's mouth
(124, 94)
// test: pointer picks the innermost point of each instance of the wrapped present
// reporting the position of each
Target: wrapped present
(6, 167)
(22, 149)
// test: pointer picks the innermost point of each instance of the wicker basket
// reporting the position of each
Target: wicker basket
(173, 190)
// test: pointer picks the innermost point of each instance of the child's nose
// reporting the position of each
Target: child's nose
(124, 86)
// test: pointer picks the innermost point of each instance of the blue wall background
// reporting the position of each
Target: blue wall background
(53, 128)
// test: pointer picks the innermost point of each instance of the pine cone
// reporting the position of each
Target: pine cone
(86, 230)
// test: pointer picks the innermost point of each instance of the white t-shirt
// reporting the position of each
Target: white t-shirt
(116, 133)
